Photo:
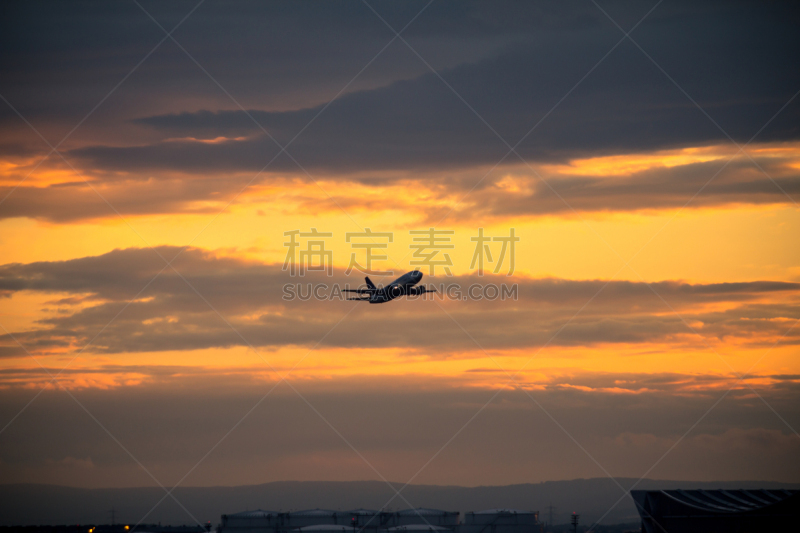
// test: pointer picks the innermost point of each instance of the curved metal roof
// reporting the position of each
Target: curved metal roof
(503, 511)
(258, 513)
(421, 512)
(362, 512)
(727, 501)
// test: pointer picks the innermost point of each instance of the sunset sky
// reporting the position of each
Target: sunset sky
(153, 155)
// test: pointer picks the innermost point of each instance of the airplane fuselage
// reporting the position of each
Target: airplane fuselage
(402, 286)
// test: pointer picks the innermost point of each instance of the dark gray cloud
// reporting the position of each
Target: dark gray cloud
(511, 63)
(169, 315)
(625, 106)
(60, 60)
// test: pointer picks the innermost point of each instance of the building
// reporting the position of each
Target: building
(717, 511)
(417, 528)
(256, 521)
(426, 517)
(369, 521)
(500, 521)
(314, 517)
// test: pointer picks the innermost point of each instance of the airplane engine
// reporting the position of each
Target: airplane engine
(396, 291)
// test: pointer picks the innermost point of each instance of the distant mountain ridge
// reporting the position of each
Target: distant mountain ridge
(30, 504)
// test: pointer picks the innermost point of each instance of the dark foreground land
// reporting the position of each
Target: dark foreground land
(105, 528)
(155, 528)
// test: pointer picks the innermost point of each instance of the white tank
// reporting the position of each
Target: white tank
(314, 517)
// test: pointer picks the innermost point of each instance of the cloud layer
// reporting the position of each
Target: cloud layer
(159, 310)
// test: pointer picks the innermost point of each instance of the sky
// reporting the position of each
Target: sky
(640, 159)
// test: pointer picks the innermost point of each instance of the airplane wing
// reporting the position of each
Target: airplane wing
(360, 291)
(419, 290)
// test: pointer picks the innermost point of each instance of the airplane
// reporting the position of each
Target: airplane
(402, 286)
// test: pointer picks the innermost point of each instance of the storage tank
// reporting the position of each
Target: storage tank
(325, 528)
(369, 519)
(432, 517)
(416, 528)
(314, 517)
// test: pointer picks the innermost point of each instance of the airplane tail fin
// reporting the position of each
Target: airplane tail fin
(369, 283)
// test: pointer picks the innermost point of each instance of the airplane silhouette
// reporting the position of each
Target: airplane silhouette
(402, 286)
